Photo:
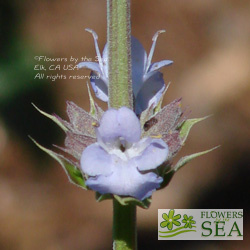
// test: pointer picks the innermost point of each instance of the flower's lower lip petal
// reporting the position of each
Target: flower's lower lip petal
(153, 156)
(158, 65)
(126, 181)
(139, 147)
(90, 65)
(149, 90)
(95, 161)
(99, 86)
(157, 97)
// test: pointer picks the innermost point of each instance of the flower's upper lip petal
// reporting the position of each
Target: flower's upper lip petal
(119, 123)
(153, 156)
(107, 131)
(139, 59)
(99, 86)
(96, 161)
(127, 181)
(90, 65)
(149, 90)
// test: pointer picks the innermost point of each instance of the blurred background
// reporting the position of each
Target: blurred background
(209, 44)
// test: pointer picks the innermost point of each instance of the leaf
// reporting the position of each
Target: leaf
(73, 173)
(95, 110)
(124, 201)
(101, 197)
(92, 103)
(129, 200)
(167, 178)
(187, 125)
(184, 160)
(166, 172)
(52, 117)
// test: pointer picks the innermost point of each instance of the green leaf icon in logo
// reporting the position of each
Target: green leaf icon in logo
(188, 221)
(170, 219)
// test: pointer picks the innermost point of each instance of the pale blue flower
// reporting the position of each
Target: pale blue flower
(147, 80)
(120, 162)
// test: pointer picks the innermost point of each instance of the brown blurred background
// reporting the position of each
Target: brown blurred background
(209, 44)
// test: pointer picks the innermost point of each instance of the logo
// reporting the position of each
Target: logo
(200, 224)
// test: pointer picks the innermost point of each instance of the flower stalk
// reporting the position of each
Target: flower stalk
(124, 226)
(120, 94)
(119, 50)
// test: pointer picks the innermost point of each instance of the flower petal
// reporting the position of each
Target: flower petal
(125, 180)
(97, 50)
(151, 53)
(119, 123)
(153, 156)
(139, 59)
(99, 86)
(96, 161)
(150, 92)
(156, 66)
(90, 65)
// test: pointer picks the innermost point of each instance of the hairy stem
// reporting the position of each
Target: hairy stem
(119, 49)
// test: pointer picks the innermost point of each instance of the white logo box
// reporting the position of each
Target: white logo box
(200, 224)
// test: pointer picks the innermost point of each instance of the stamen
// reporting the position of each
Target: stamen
(95, 124)
(150, 56)
(95, 36)
(156, 136)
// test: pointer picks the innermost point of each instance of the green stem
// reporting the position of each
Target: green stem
(120, 94)
(124, 227)
(119, 49)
